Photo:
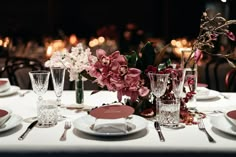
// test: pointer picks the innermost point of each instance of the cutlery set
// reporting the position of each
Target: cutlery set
(67, 126)
(34, 123)
(200, 126)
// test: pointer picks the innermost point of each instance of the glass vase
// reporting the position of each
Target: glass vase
(79, 90)
(191, 76)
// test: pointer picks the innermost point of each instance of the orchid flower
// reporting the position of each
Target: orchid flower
(112, 71)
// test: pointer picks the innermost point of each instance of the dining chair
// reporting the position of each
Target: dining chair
(230, 80)
(17, 69)
(217, 73)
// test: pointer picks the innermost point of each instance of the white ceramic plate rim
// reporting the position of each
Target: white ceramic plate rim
(83, 124)
(222, 124)
(14, 121)
(11, 91)
(212, 94)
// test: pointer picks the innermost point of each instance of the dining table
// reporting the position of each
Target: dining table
(188, 140)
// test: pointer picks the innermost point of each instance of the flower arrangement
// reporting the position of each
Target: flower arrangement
(75, 61)
(110, 71)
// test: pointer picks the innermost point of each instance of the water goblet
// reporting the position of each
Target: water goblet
(158, 83)
(39, 80)
(58, 77)
(46, 113)
(169, 109)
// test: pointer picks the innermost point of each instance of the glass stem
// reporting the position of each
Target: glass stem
(58, 101)
(40, 98)
(158, 99)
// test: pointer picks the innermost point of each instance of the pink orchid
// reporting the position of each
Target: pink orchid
(214, 36)
(113, 72)
(197, 55)
(231, 36)
(151, 68)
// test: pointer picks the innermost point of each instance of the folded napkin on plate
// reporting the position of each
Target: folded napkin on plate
(119, 125)
(202, 91)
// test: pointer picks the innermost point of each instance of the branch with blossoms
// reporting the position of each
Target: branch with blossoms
(113, 73)
(211, 28)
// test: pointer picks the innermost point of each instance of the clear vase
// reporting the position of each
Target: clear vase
(79, 90)
(191, 76)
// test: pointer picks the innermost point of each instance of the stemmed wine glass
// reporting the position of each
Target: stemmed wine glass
(39, 80)
(158, 84)
(58, 77)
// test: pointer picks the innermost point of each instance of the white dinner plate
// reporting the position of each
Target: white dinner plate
(84, 123)
(222, 124)
(14, 121)
(11, 91)
(211, 95)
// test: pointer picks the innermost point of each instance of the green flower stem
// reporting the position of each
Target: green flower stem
(79, 87)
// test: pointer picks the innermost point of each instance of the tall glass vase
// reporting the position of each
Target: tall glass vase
(79, 90)
(191, 76)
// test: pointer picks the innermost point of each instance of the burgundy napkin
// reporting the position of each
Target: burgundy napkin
(4, 115)
(4, 84)
(231, 116)
(112, 112)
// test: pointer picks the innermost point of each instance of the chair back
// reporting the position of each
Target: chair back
(17, 69)
(230, 80)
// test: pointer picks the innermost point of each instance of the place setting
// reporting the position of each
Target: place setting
(110, 120)
(8, 120)
(6, 89)
(225, 122)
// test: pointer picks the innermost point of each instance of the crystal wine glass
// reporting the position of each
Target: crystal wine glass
(158, 84)
(39, 80)
(58, 77)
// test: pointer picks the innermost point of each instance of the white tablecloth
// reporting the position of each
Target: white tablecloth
(190, 139)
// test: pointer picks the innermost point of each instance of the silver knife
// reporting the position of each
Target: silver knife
(158, 128)
(30, 127)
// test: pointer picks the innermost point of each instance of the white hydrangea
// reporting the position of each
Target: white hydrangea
(75, 61)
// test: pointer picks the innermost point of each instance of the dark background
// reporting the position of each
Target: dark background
(158, 18)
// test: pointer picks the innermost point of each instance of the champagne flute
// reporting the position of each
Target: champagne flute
(58, 77)
(158, 84)
(178, 77)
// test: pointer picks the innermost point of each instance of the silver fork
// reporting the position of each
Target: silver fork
(23, 94)
(202, 128)
(66, 127)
